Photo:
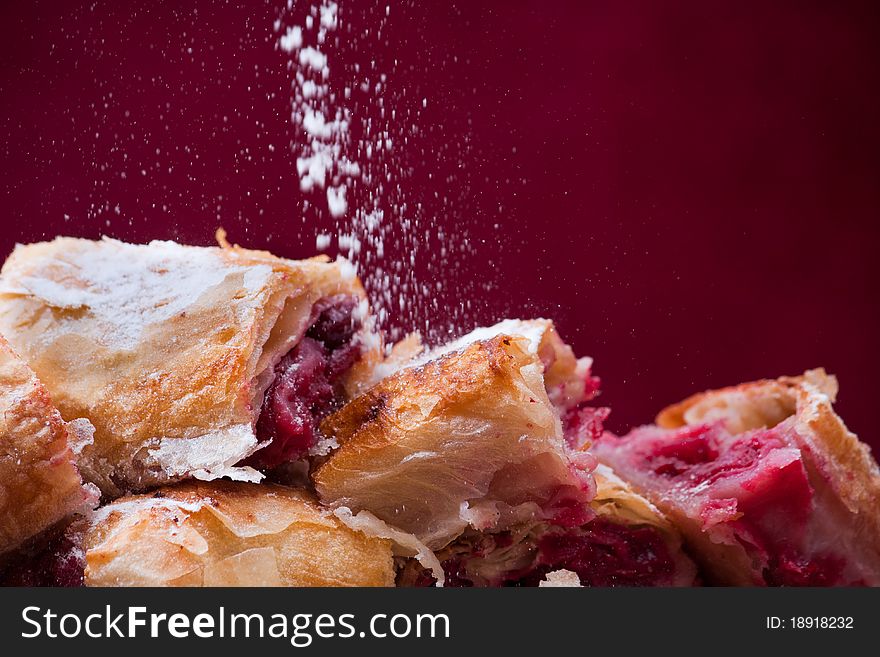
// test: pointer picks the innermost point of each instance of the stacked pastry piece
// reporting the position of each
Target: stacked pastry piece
(478, 449)
(244, 425)
(191, 365)
(765, 482)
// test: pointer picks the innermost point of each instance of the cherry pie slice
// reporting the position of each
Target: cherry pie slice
(764, 481)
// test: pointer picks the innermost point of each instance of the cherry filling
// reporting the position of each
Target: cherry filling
(56, 561)
(790, 569)
(583, 425)
(308, 383)
(602, 553)
(753, 484)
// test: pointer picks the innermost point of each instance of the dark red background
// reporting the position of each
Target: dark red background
(689, 189)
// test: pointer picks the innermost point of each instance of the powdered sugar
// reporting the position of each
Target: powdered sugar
(292, 40)
(322, 125)
(127, 286)
(355, 134)
(322, 241)
(533, 330)
(315, 59)
(328, 15)
(336, 200)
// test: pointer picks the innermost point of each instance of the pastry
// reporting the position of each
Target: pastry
(189, 361)
(467, 436)
(39, 482)
(229, 534)
(482, 462)
(477, 449)
(628, 542)
(764, 481)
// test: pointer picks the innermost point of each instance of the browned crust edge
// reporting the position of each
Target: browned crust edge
(449, 379)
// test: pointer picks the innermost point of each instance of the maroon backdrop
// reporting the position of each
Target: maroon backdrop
(689, 189)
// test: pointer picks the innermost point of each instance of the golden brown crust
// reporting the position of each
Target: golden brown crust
(834, 455)
(617, 501)
(167, 349)
(230, 534)
(428, 448)
(565, 375)
(379, 417)
(39, 482)
(747, 406)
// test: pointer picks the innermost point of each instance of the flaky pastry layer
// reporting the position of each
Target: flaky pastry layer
(617, 502)
(39, 481)
(229, 534)
(166, 349)
(468, 437)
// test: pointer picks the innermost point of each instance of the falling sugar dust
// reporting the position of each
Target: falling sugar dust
(357, 139)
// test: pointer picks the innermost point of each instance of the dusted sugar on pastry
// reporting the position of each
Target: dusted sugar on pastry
(39, 482)
(477, 448)
(229, 534)
(764, 481)
(567, 379)
(466, 437)
(200, 362)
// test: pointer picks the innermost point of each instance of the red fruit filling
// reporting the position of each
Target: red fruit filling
(791, 570)
(571, 506)
(582, 425)
(308, 383)
(602, 553)
(58, 561)
(752, 487)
